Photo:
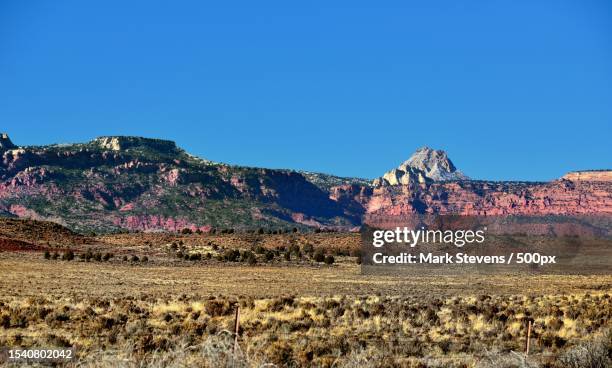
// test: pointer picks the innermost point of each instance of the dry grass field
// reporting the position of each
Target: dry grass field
(167, 300)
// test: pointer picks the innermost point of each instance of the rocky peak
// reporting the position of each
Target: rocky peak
(434, 163)
(5, 142)
(120, 143)
(425, 165)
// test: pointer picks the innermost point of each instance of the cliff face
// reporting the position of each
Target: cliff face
(599, 175)
(477, 198)
(578, 208)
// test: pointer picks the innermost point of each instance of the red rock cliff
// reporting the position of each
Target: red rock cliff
(560, 197)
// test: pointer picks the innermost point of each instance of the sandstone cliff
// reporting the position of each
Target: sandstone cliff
(429, 183)
(481, 198)
(593, 175)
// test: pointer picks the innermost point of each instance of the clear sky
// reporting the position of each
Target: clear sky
(511, 89)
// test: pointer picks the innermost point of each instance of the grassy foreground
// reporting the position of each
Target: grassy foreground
(179, 312)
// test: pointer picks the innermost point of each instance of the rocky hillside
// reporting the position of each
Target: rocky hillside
(114, 183)
(38, 232)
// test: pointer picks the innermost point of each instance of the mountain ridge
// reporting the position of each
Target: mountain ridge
(114, 183)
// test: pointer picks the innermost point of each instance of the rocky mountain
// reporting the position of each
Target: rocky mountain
(137, 183)
(425, 165)
(114, 183)
(429, 183)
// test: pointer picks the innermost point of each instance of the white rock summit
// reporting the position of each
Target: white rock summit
(423, 166)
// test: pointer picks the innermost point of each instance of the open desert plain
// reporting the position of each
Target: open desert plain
(138, 299)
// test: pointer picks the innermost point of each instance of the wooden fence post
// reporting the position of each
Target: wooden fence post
(237, 324)
(528, 338)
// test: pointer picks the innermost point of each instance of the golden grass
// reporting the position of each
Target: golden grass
(306, 331)
(167, 311)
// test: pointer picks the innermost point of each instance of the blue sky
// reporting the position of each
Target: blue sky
(511, 89)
